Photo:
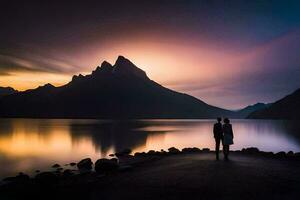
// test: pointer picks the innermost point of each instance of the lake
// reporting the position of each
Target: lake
(30, 144)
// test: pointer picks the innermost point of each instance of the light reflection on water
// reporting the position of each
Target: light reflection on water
(30, 144)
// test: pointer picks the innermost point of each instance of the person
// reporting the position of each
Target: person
(218, 135)
(227, 137)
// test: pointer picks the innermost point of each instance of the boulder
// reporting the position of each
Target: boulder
(191, 150)
(250, 150)
(104, 165)
(187, 150)
(55, 166)
(123, 153)
(163, 152)
(267, 154)
(72, 164)
(140, 154)
(280, 154)
(20, 178)
(151, 153)
(290, 154)
(85, 164)
(173, 150)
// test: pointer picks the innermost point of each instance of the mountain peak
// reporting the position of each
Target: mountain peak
(76, 78)
(105, 64)
(48, 85)
(105, 67)
(124, 62)
(6, 91)
(126, 67)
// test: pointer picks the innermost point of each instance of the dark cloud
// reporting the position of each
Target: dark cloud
(34, 63)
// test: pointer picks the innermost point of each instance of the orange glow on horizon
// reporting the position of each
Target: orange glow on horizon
(22, 81)
(194, 66)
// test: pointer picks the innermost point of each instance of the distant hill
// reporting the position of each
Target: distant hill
(6, 91)
(119, 91)
(285, 108)
(252, 108)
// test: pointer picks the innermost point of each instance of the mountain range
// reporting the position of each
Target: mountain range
(285, 108)
(245, 112)
(6, 91)
(123, 90)
(114, 91)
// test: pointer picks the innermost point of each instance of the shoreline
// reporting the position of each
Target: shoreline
(122, 165)
(126, 154)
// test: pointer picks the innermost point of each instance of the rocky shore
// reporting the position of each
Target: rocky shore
(89, 180)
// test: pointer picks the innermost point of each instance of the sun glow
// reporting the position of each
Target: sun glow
(22, 81)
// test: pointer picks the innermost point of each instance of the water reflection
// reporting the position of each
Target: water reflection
(29, 144)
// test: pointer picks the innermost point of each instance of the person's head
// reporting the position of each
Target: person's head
(219, 119)
(226, 121)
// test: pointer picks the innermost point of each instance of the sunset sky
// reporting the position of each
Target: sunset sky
(227, 53)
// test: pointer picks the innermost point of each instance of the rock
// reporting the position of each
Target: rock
(163, 152)
(290, 154)
(55, 166)
(124, 152)
(280, 154)
(187, 150)
(151, 153)
(195, 149)
(191, 150)
(158, 153)
(21, 177)
(250, 150)
(37, 171)
(173, 150)
(72, 164)
(105, 165)
(205, 150)
(46, 178)
(85, 164)
(112, 155)
(140, 154)
(59, 169)
(267, 154)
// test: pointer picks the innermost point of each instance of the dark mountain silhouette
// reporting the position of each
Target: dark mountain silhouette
(119, 91)
(252, 108)
(6, 91)
(285, 108)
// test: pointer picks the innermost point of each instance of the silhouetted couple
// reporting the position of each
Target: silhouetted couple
(223, 133)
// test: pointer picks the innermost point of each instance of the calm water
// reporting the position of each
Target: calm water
(30, 144)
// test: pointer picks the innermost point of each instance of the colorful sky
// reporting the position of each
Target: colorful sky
(227, 53)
